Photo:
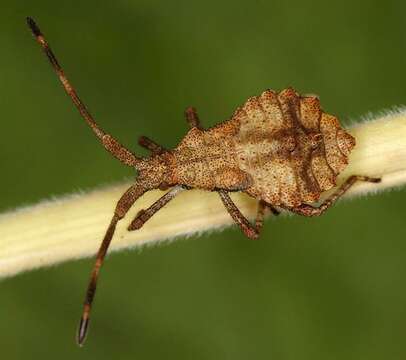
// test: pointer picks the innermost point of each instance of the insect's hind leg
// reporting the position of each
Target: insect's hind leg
(192, 118)
(309, 210)
(249, 230)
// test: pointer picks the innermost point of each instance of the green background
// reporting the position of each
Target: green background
(325, 288)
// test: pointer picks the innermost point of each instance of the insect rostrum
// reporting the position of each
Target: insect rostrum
(279, 147)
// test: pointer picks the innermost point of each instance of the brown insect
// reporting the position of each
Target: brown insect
(280, 148)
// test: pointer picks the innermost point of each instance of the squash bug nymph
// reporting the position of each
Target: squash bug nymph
(279, 147)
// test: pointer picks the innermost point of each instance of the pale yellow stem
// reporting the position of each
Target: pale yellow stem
(72, 227)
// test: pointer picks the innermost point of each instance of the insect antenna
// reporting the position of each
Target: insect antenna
(109, 143)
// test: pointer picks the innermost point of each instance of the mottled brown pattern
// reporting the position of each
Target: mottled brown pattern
(280, 148)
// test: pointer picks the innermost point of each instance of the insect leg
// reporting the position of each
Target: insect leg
(262, 206)
(151, 145)
(274, 210)
(249, 230)
(122, 207)
(109, 143)
(192, 118)
(144, 215)
(308, 210)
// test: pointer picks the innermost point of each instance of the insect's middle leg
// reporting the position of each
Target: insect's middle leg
(262, 206)
(249, 230)
(309, 210)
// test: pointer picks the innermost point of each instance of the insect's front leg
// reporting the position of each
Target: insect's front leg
(144, 215)
(151, 145)
(309, 210)
(273, 209)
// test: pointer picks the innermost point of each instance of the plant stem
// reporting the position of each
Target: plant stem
(72, 227)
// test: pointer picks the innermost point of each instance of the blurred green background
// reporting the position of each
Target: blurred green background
(325, 288)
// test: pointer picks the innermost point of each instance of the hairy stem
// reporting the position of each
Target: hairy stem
(72, 227)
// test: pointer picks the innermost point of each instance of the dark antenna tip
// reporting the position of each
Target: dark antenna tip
(33, 26)
(82, 331)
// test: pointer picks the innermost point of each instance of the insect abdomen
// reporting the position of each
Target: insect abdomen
(290, 147)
